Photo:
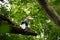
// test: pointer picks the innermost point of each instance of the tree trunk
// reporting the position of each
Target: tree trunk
(52, 14)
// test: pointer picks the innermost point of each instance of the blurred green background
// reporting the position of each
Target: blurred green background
(20, 9)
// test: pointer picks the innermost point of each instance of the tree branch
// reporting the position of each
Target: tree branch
(16, 29)
(50, 11)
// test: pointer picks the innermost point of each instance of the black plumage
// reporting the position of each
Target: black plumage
(25, 22)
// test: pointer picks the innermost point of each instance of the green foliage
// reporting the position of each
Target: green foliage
(4, 27)
(20, 9)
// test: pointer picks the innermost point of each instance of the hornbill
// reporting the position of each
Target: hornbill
(24, 24)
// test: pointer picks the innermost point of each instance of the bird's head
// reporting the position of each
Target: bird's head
(30, 18)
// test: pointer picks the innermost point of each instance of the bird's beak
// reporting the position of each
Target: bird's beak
(31, 18)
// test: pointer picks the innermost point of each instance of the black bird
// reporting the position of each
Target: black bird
(24, 24)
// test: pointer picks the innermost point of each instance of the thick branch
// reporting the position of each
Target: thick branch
(50, 11)
(16, 29)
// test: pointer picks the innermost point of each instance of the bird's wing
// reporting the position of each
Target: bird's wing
(23, 26)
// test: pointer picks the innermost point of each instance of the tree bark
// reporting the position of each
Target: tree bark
(52, 14)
